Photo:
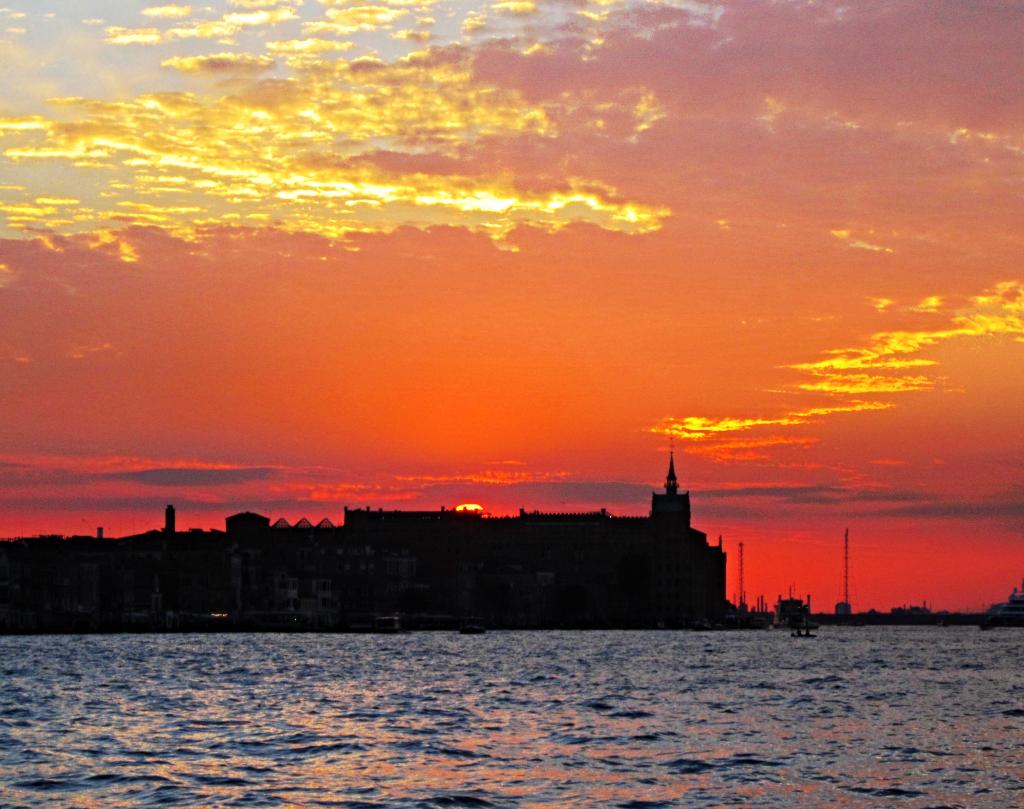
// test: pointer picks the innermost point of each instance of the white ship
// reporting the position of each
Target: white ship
(1009, 614)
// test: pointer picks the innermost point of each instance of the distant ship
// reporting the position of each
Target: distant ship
(1009, 614)
(793, 613)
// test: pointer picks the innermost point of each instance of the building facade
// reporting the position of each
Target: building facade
(531, 570)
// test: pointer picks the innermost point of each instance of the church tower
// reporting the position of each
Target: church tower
(671, 502)
(671, 483)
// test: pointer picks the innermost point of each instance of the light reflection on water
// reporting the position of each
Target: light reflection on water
(916, 717)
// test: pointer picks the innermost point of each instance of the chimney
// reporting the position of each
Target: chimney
(99, 532)
(169, 520)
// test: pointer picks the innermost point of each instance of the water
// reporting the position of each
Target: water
(914, 717)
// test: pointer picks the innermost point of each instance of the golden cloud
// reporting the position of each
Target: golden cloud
(933, 303)
(224, 29)
(262, 3)
(517, 7)
(117, 35)
(302, 150)
(168, 11)
(412, 35)
(356, 18)
(473, 22)
(699, 428)
(261, 17)
(23, 124)
(220, 63)
(307, 46)
(874, 369)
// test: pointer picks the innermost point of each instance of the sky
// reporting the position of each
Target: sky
(295, 256)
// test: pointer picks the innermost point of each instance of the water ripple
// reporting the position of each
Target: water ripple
(918, 718)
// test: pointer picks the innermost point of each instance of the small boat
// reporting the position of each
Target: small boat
(803, 632)
(472, 626)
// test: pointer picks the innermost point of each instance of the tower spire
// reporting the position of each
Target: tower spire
(671, 482)
(671, 502)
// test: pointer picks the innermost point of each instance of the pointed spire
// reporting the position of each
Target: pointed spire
(671, 483)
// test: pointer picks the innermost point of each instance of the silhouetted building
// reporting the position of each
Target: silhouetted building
(911, 610)
(534, 569)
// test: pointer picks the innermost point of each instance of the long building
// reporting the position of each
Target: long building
(535, 569)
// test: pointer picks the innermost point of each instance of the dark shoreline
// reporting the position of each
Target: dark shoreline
(829, 621)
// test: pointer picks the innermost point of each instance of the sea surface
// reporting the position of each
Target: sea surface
(906, 717)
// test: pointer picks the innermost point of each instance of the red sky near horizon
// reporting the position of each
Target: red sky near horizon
(295, 256)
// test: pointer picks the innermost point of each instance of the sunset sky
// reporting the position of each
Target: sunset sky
(291, 256)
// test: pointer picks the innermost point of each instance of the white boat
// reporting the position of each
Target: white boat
(1010, 613)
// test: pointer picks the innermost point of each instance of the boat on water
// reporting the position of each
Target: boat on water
(472, 626)
(1010, 613)
(793, 613)
(387, 624)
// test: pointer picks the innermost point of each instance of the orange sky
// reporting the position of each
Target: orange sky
(295, 256)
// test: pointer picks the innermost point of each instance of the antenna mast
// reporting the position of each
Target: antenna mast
(743, 595)
(846, 567)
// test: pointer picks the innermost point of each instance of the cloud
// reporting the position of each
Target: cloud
(85, 471)
(515, 7)
(260, 17)
(998, 311)
(412, 35)
(224, 28)
(549, 98)
(195, 476)
(112, 483)
(878, 368)
(816, 494)
(239, 64)
(80, 352)
(167, 11)
(351, 19)
(859, 244)
(473, 22)
(698, 428)
(119, 35)
(933, 303)
(263, 3)
(1011, 509)
(310, 46)
(301, 149)
(749, 449)
(488, 477)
